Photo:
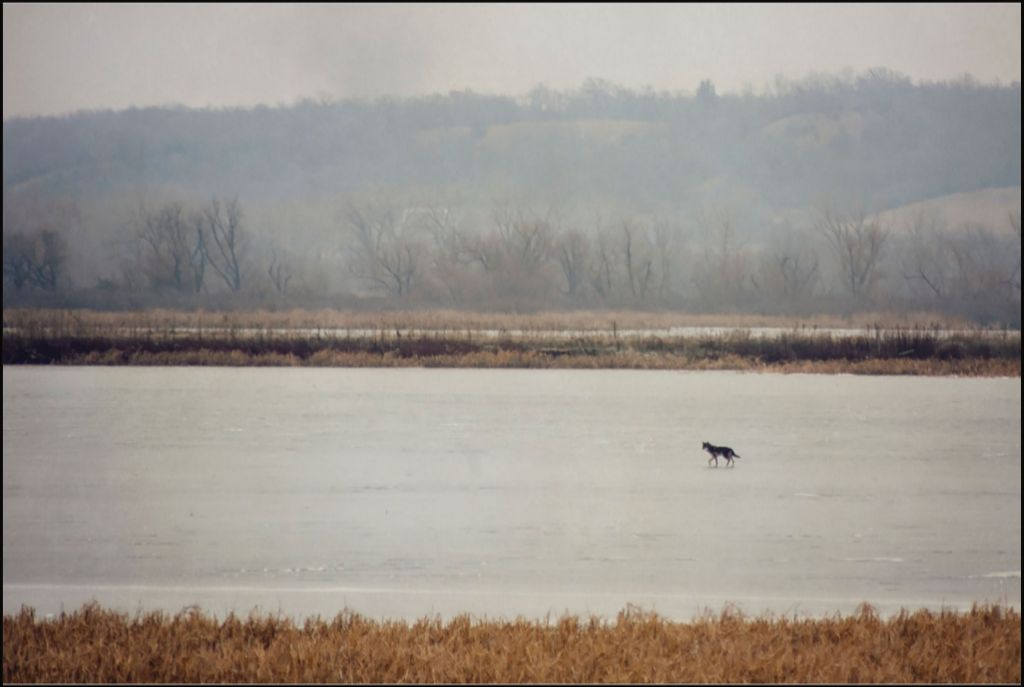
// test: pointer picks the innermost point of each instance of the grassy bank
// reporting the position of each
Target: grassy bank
(96, 645)
(431, 340)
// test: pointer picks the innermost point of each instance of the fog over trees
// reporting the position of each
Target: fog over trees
(783, 201)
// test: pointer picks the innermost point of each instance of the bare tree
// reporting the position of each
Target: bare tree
(225, 243)
(603, 268)
(987, 263)
(34, 259)
(515, 254)
(637, 260)
(929, 259)
(51, 254)
(198, 255)
(572, 252)
(526, 238)
(973, 269)
(19, 259)
(788, 273)
(453, 251)
(387, 250)
(485, 250)
(797, 270)
(174, 251)
(724, 275)
(35, 242)
(667, 242)
(857, 244)
(279, 269)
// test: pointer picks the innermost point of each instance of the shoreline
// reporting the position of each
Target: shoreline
(879, 367)
(660, 341)
(860, 355)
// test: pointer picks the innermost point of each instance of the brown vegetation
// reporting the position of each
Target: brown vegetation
(82, 321)
(451, 340)
(97, 645)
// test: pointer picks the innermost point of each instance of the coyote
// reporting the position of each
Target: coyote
(723, 451)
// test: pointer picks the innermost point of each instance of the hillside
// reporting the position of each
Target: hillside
(596, 197)
(876, 139)
(992, 207)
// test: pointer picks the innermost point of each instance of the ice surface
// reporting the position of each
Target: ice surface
(405, 492)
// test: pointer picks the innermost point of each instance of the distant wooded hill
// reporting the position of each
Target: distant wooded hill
(877, 139)
(680, 179)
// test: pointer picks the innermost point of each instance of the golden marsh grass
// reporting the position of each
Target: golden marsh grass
(97, 645)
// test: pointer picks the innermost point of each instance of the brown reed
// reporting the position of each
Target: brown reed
(170, 338)
(458, 320)
(97, 645)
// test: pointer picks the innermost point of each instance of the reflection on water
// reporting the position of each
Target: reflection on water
(505, 492)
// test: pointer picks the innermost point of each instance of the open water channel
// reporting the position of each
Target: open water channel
(402, 493)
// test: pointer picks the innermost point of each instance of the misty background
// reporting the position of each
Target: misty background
(732, 159)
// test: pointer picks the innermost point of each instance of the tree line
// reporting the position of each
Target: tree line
(390, 253)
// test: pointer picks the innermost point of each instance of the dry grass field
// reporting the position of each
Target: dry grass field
(589, 340)
(97, 645)
(83, 321)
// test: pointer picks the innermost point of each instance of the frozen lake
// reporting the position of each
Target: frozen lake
(408, 492)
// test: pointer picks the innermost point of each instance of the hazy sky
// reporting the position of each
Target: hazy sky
(61, 58)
